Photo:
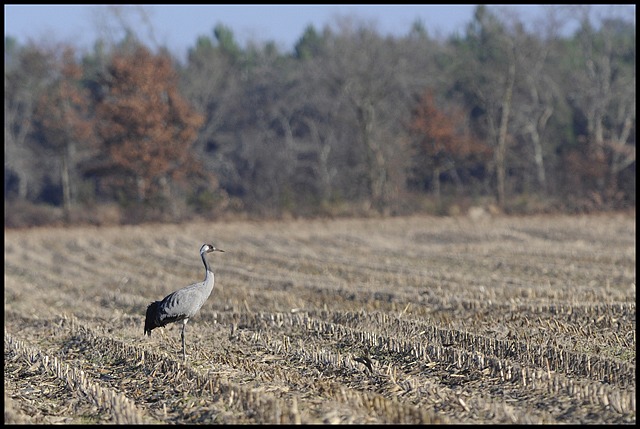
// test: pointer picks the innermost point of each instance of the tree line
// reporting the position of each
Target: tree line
(349, 122)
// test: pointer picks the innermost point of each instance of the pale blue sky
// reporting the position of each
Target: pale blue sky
(178, 26)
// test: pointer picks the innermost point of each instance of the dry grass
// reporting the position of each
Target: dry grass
(416, 319)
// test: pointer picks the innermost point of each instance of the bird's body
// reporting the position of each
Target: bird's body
(183, 303)
(179, 305)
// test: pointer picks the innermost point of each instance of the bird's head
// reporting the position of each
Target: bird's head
(208, 248)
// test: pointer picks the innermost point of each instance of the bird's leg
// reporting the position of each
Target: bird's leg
(184, 353)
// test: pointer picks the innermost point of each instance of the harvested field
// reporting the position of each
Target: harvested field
(399, 320)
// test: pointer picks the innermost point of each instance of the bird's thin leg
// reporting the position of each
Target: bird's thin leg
(184, 353)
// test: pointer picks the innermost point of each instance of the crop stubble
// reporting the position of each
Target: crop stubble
(413, 319)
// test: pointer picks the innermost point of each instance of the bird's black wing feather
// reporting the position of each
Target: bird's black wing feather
(160, 313)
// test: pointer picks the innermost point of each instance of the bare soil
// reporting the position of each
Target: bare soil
(396, 320)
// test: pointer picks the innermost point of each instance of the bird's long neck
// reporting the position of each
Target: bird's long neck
(208, 274)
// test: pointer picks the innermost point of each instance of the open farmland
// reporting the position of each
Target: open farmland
(415, 319)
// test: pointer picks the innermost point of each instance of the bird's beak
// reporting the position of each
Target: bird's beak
(219, 250)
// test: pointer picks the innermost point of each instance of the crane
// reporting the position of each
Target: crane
(183, 303)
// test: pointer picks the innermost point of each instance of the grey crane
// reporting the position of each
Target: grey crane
(183, 303)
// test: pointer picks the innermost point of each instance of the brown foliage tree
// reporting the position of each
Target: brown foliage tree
(443, 141)
(146, 127)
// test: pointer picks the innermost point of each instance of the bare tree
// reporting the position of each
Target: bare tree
(603, 89)
(116, 22)
(208, 82)
(537, 92)
(63, 117)
(487, 72)
(366, 74)
(27, 73)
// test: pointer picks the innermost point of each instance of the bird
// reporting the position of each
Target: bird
(183, 303)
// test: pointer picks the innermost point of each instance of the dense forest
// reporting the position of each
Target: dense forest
(513, 117)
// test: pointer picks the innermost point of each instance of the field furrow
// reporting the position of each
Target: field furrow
(398, 320)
